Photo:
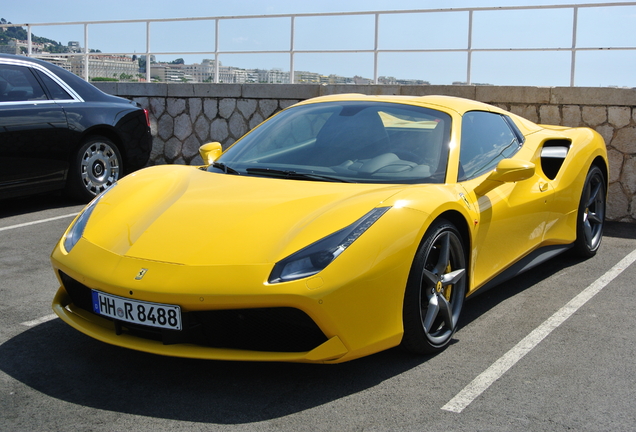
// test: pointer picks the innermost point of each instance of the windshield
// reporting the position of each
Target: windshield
(371, 142)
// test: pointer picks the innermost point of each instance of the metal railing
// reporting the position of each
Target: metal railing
(292, 52)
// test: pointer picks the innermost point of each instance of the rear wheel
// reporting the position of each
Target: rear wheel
(435, 290)
(591, 214)
(97, 166)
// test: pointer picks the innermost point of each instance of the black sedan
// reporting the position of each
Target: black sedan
(59, 132)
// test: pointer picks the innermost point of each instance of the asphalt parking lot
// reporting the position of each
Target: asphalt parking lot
(551, 350)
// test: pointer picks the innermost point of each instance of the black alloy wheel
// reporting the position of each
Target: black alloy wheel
(435, 290)
(591, 214)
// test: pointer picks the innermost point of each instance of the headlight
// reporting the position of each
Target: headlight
(315, 257)
(76, 230)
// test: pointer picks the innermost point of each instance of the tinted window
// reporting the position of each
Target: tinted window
(352, 141)
(17, 83)
(56, 92)
(486, 139)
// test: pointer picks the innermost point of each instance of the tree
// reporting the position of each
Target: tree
(16, 33)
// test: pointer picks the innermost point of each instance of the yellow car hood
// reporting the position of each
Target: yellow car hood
(183, 215)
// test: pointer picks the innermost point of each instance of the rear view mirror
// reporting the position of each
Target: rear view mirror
(507, 171)
(210, 152)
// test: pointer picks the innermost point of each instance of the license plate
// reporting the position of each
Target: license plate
(138, 312)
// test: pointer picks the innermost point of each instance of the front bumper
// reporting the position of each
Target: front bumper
(350, 309)
(104, 330)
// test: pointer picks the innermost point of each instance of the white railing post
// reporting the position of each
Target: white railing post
(375, 48)
(469, 59)
(575, 19)
(29, 43)
(148, 62)
(216, 51)
(86, 62)
(292, 69)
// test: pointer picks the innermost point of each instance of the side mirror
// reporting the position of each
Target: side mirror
(210, 152)
(507, 171)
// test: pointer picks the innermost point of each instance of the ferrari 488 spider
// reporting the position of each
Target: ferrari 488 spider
(340, 227)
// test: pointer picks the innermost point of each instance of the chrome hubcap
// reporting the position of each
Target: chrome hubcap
(99, 167)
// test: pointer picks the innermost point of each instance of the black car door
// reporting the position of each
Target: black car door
(33, 134)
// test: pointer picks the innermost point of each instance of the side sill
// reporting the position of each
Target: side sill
(528, 262)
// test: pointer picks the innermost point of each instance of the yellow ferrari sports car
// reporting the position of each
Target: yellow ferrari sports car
(340, 227)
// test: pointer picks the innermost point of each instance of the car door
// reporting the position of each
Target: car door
(512, 217)
(33, 134)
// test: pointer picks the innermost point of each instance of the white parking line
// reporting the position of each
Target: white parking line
(38, 221)
(39, 320)
(498, 368)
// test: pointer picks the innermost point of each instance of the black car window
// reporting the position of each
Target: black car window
(486, 139)
(17, 83)
(55, 90)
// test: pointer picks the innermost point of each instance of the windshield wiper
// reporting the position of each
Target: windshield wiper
(226, 169)
(289, 174)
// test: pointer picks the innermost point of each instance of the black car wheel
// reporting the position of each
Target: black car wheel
(591, 214)
(96, 167)
(435, 290)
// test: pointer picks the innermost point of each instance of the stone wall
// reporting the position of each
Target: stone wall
(184, 116)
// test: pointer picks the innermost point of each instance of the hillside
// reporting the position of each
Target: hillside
(19, 33)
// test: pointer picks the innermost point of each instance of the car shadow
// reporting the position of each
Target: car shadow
(35, 203)
(620, 230)
(60, 362)
(482, 302)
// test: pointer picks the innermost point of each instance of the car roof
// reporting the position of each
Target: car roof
(86, 90)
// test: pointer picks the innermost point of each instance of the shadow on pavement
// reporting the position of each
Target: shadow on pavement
(620, 230)
(35, 203)
(59, 361)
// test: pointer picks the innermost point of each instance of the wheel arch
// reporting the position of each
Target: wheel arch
(460, 222)
(601, 163)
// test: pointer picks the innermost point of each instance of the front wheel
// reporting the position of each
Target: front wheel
(591, 214)
(435, 290)
(97, 165)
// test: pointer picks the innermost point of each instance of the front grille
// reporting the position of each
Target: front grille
(80, 294)
(276, 329)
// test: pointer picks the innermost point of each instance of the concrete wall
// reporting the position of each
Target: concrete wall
(184, 116)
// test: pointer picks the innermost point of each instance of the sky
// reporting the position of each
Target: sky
(598, 27)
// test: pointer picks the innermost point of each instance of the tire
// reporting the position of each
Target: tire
(435, 290)
(97, 165)
(591, 214)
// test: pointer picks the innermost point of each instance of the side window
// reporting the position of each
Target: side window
(486, 139)
(56, 92)
(17, 84)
